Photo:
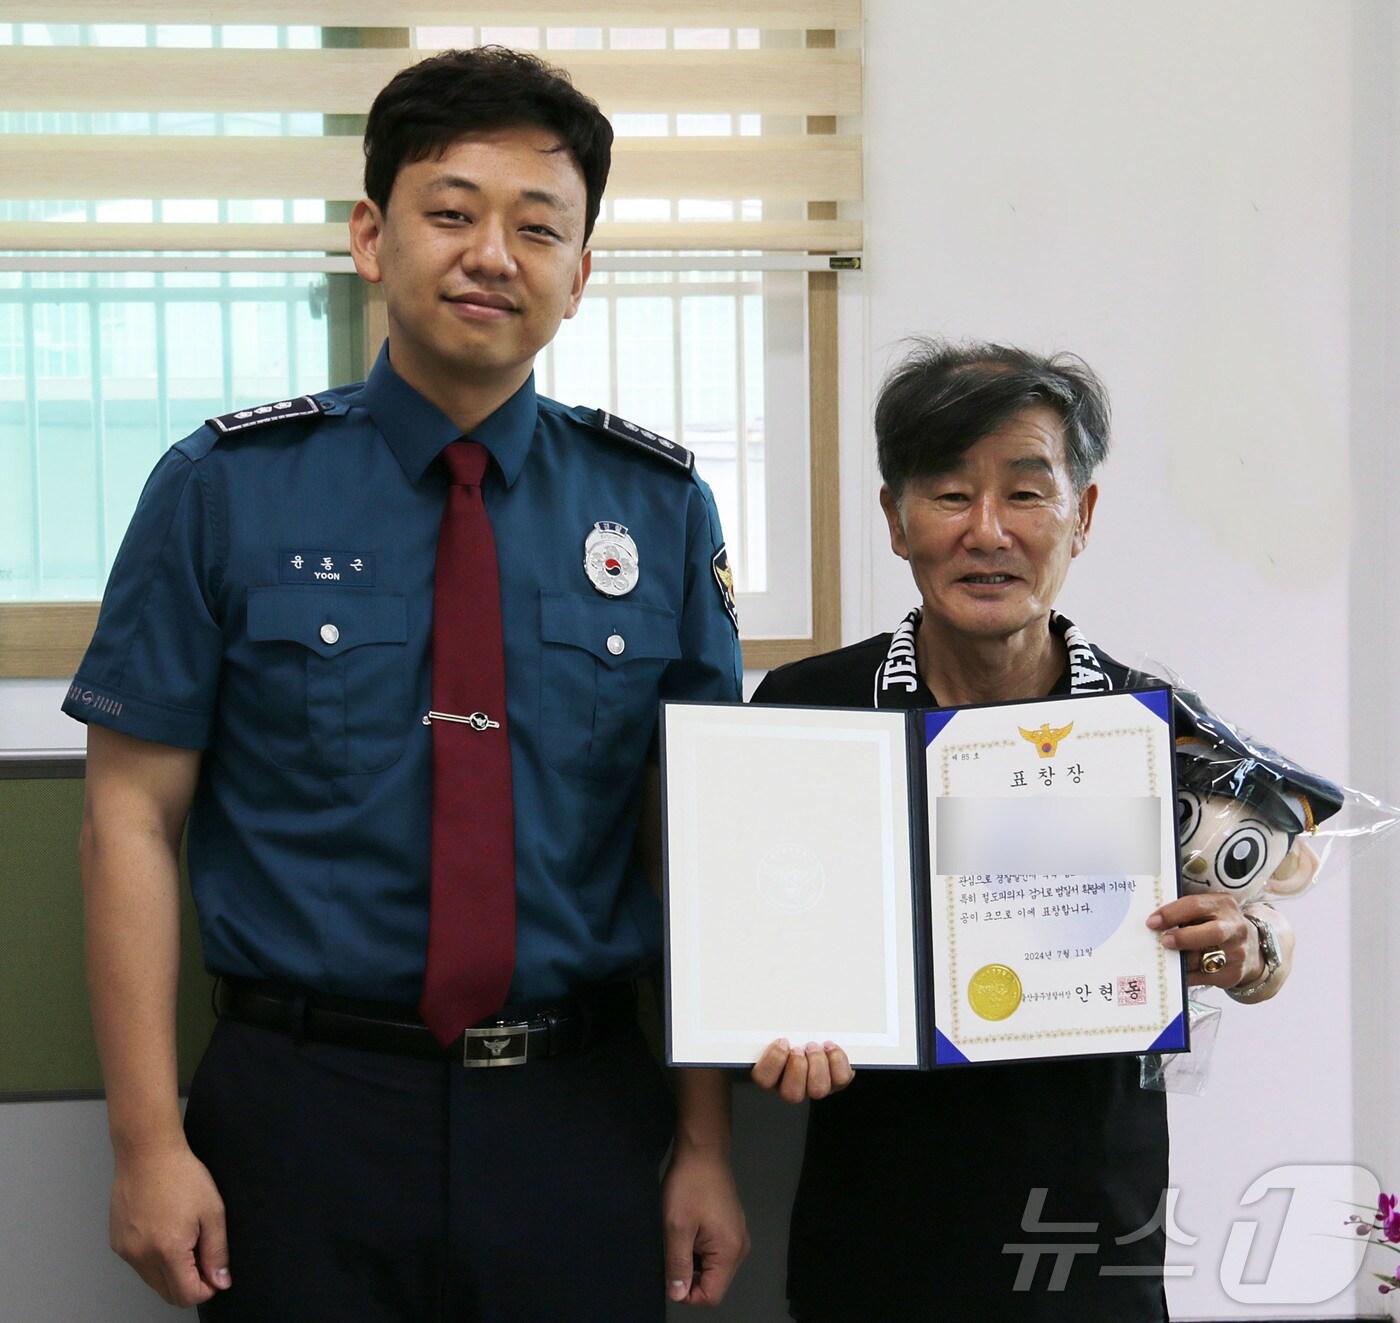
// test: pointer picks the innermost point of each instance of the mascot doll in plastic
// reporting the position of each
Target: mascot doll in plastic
(1244, 814)
(1250, 845)
(1243, 810)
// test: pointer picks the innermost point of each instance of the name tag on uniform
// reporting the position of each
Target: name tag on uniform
(354, 569)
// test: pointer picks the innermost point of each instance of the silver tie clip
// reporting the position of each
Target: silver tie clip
(477, 720)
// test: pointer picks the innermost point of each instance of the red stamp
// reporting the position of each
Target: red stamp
(1132, 990)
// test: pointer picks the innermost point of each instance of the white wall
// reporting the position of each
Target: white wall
(1375, 579)
(1169, 189)
(31, 723)
(55, 1267)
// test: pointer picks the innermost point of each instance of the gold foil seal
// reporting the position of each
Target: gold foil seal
(994, 992)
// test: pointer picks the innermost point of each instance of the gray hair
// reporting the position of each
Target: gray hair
(944, 398)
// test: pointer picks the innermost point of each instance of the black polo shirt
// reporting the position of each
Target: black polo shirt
(913, 1201)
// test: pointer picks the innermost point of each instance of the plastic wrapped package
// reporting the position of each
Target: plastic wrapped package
(1185, 1072)
(1249, 820)
(1253, 824)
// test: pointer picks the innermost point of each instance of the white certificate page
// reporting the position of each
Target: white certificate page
(1052, 837)
(789, 883)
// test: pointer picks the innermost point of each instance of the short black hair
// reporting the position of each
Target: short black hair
(943, 398)
(430, 105)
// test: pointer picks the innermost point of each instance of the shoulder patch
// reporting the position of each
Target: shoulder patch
(644, 440)
(304, 406)
(724, 577)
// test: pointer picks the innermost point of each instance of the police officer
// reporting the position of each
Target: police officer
(406, 700)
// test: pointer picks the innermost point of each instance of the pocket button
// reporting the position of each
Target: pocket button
(616, 644)
(330, 634)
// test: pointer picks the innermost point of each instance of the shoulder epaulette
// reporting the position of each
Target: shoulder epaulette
(304, 406)
(644, 440)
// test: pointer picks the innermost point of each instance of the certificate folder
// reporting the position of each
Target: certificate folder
(926, 888)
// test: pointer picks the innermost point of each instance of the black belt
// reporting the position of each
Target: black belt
(511, 1038)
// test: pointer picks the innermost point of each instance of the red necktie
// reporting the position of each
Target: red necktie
(471, 926)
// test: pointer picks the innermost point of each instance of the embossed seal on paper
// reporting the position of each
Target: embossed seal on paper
(790, 878)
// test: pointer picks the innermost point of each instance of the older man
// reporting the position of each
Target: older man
(1028, 1192)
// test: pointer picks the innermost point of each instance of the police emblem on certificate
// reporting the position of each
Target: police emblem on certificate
(930, 888)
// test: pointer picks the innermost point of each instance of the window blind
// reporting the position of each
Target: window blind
(787, 90)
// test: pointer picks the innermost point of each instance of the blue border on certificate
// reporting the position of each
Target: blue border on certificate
(1155, 700)
(934, 722)
(1172, 1038)
(944, 1053)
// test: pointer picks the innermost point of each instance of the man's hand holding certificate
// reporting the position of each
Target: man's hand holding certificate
(925, 888)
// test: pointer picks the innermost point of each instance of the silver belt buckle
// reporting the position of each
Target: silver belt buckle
(496, 1045)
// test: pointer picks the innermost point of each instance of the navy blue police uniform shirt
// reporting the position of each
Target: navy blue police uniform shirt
(272, 606)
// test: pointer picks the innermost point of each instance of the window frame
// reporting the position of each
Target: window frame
(47, 640)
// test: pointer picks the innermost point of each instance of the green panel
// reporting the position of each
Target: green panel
(46, 1043)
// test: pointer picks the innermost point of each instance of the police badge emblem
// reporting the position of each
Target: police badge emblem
(724, 577)
(610, 559)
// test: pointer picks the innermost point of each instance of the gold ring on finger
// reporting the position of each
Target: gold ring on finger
(1212, 962)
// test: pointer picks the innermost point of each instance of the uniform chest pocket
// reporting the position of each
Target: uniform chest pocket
(333, 677)
(600, 680)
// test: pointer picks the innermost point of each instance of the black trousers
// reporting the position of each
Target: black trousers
(367, 1188)
(941, 1233)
